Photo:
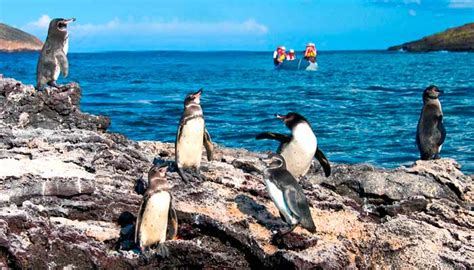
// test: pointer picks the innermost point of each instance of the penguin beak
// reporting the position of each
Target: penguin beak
(440, 92)
(69, 20)
(163, 169)
(198, 93)
(62, 25)
(279, 116)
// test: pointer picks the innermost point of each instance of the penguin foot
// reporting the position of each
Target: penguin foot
(146, 255)
(184, 175)
(162, 250)
(54, 84)
(197, 175)
(190, 175)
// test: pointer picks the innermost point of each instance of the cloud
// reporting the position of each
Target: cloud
(412, 12)
(461, 4)
(41, 23)
(146, 33)
(172, 28)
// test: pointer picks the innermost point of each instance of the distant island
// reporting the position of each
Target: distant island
(457, 39)
(16, 40)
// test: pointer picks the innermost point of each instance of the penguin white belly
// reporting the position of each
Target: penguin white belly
(278, 199)
(190, 143)
(57, 70)
(299, 152)
(155, 219)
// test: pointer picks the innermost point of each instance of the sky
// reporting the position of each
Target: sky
(111, 25)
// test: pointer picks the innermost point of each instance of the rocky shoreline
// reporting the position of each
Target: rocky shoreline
(65, 180)
(456, 39)
(15, 40)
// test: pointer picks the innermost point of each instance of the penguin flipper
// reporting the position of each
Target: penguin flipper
(208, 145)
(172, 223)
(323, 161)
(178, 136)
(298, 205)
(282, 138)
(442, 130)
(63, 63)
(139, 220)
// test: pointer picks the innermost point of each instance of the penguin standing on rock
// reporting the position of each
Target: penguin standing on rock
(155, 213)
(299, 148)
(287, 195)
(430, 132)
(53, 57)
(191, 137)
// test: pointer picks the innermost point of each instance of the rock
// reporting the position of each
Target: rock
(456, 39)
(99, 230)
(50, 109)
(440, 178)
(16, 40)
(66, 185)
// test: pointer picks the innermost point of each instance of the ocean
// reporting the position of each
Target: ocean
(363, 105)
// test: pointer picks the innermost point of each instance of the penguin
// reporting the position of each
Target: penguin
(430, 132)
(299, 148)
(155, 214)
(287, 195)
(192, 135)
(53, 57)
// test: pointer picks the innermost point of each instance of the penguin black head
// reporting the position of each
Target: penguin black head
(194, 98)
(431, 92)
(157, 178)
(274, 161)
(58, 26)
(292, 119)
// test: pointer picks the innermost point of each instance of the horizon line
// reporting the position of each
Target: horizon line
(227, 51)
(203, 51)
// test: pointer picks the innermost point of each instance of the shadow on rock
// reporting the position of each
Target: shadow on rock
(126, 241)
(249, 206)
(157, 161)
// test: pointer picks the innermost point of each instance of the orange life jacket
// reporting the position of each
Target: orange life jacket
(310, 52)
(281, 57)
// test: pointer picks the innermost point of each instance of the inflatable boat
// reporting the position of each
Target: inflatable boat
(299, 64)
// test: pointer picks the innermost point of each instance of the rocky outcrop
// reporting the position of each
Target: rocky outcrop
(49, 109)
(15, 40)
(64, 182)
(457, 39)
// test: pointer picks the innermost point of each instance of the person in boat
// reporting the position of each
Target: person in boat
(291, 55)
(310, 53)
(279, 55)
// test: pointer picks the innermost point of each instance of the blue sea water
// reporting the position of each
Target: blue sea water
(363, 105)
